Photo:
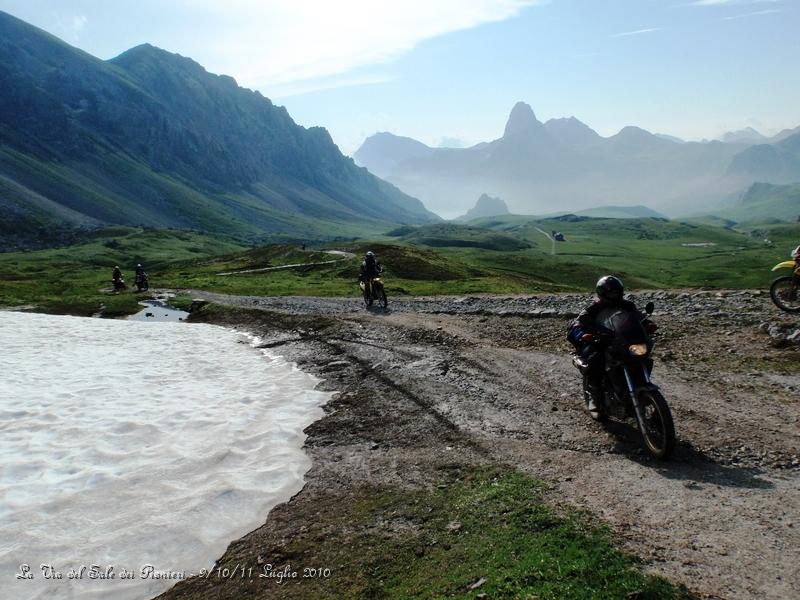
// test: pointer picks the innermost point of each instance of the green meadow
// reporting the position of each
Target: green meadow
(505, 255)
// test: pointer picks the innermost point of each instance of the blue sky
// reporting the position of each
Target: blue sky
(435, 69)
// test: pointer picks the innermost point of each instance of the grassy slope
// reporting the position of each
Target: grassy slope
(103, 190)
(651, 253)
(77, 279)
(508, 537)
(460, 236)
(646, 252)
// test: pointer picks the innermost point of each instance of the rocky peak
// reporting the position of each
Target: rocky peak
(486, 206)
(522, 121)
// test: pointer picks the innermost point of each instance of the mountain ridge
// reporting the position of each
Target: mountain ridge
(150, 137)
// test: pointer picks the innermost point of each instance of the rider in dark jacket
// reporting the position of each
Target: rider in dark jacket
(116, 278)
(585, 332)
(370, 268)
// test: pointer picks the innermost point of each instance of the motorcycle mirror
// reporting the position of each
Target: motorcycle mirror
(648, 308)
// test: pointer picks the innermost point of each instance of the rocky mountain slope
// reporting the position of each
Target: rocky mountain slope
(151, 138)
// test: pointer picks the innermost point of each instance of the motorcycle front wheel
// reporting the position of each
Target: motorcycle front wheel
(785, 294)
(658, 429)
(382, 300)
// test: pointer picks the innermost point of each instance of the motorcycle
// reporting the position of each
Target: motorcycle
(627, 390)
(142, 282)
(373, 292)
(784, 290)
(119, 284)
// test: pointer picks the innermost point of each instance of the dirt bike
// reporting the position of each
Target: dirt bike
(142, 282)
(627, 391)
(374, 292)
(784, 290)
(119, 284)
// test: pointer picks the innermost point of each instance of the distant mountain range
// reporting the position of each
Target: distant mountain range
(564, 164)
(748, 135)
(151, 138)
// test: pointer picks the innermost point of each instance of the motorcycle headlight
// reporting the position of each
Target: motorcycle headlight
(638, 349)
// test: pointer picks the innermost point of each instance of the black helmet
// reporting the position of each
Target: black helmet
(610, 289)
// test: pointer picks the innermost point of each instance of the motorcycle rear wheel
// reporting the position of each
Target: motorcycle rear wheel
(658, 429)
(785, 293)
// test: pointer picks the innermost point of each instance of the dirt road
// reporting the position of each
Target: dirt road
(488, 378)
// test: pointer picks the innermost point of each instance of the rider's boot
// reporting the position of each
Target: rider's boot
(594, 397)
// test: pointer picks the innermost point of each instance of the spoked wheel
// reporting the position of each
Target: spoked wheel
(785, 294)
(382, 300)
(368, 299)
(658, 429)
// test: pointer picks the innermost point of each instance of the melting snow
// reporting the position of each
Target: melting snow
(125, 444)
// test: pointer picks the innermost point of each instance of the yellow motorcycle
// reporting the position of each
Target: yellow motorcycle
(785, 291)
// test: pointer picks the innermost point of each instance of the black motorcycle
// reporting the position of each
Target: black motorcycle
(627, 390)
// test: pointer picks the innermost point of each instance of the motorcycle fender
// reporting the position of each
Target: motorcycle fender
(787, 264)
(648, 387)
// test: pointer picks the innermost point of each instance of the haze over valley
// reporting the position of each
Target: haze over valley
(564, 165)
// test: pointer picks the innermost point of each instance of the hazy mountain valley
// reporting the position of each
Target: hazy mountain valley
(564, 165)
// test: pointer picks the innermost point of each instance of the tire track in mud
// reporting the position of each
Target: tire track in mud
(371, 371)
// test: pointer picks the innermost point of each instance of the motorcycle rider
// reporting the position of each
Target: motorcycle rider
(141, 278)
(116, 278)
(370, 268)
(585, 334)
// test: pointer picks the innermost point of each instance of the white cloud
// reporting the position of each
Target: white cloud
(268, 44)
(637, 32)
(753, 14)
(724, 2)
(78, 23)
(285, 90)
(70, 27)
